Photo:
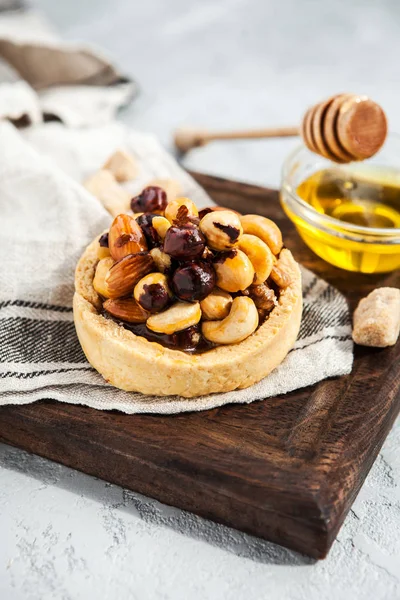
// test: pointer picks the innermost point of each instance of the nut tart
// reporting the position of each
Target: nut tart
(176, 301)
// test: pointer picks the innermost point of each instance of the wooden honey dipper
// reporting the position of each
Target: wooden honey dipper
(343, 128)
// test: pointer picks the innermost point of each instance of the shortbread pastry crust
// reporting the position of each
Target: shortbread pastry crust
(132, 363)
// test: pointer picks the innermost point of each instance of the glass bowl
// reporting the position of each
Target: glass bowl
(343, 244)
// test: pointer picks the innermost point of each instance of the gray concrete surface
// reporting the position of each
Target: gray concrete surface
(64, 535)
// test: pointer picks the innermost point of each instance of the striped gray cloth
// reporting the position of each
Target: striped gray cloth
(47, 218)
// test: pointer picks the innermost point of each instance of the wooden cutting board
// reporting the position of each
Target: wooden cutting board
(286, 469)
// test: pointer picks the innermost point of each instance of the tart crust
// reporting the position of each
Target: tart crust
(132, 363)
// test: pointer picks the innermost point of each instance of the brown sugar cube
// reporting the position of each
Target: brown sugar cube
(377, 318)
(172, 187)
(122, 165)
(113, 197)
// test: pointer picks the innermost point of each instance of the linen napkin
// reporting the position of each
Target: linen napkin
(47, 219)
(44, 78)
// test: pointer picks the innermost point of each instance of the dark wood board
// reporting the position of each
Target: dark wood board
(286, 469)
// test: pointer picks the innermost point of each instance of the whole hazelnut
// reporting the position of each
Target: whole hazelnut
(151, 199)
(145, 221)
(222, 229)
(185, 242)
(152, 292)
(194, 281)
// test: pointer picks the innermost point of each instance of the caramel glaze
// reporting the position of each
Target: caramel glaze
(188, 340)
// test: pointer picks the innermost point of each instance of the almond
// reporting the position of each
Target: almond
(125, 237)
(124, 275)
(126, 309)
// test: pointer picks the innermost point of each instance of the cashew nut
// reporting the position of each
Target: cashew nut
(173, 207)
(179, 316)
(103, 252)
(161, 259)
(241, 322)
(234, 271)
(216, 305)
(259, 254)
(265, 229)
(161, 225)
(99, 281)
(222, 229)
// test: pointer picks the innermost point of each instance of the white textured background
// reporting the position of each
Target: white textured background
(226, 63)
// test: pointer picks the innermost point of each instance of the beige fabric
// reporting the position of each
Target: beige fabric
(45, 65)
(70, 82)
(47, 221)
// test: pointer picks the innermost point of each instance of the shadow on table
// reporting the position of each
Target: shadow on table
(151, 511)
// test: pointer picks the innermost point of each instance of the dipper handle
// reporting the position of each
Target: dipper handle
(343, 128)
(185, 139)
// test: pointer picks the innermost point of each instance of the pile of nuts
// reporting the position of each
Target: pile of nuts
(213, 275)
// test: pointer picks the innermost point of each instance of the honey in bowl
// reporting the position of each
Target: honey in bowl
(367, 199)
(366, 196)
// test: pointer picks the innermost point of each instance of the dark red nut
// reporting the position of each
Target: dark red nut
(194, 281)
(103, 240)
(154, 298)
(151, 199)
(152, 292)
(145, 222)
(204, 211)
(184, 243)
(187, 339)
